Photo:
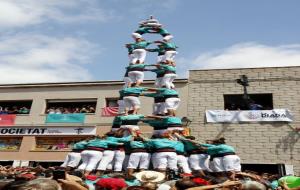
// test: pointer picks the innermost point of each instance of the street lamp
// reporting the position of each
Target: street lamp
(186, 121)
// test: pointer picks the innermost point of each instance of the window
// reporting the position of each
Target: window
(15, 107)
(111, 102)
(256, 102)
(71, 106)
(10, 143)
(53, 144)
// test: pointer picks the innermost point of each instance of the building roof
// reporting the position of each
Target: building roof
(242, 68)
(77, 84)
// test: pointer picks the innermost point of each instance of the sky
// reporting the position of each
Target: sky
(83, 40)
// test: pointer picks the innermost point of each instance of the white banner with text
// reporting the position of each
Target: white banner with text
(224, 116)
(36, 131)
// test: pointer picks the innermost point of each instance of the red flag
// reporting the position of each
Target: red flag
(109, 111)
(8, 119)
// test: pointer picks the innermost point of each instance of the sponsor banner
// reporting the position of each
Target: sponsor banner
(65, 118)
(7, 119)
(223, 116)
(36, 131)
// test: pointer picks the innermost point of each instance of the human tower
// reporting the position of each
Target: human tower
(125, 148)
(166, 98)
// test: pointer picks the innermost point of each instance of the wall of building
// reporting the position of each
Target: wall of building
(40, 93)
(265, 143)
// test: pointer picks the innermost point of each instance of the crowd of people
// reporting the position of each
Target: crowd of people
(14, 110)
(67, 110)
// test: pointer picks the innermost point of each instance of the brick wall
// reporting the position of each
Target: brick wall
(255, 143)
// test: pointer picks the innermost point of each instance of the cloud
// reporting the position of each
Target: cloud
(39, 58)
(20, 13)
(245, 55)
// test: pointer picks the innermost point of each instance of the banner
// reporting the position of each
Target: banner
(7, 119)
(223, 116)
(65, 118)
(36, 131)
(109, 111)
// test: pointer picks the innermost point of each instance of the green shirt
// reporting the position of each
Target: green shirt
(80, 145)
(167, 92)
(179, 147)
(119, 140)
(143, 30)
(138, 144)
(100, 143)
(169, 45)
(133, 90)
(172, 121)
(162, 143)
(168, 68)
(219, 149)
(156, 124)
(163, 31)
(141, 45)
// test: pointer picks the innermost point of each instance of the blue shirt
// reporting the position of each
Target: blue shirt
(167, 92)
(168, 68)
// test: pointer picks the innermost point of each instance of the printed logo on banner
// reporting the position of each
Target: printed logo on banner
(253, 115)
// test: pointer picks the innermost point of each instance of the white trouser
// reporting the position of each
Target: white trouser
(118, 160)
(164, 160)
(121, 106)
(168, 80)
(216, 165)
(158, 82)
(136, 76)
(107, 158)
(90, 159)
(127, 81)
(232, 163)
(139, 54)
(182, 162)
(199, 162)
(158, 108)
(169, 56)
(172, 103)
(72, 160)
(160, 58)
(130, 57)
(132, 102)
(141, 159)
(126, 161)
(175, 129)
